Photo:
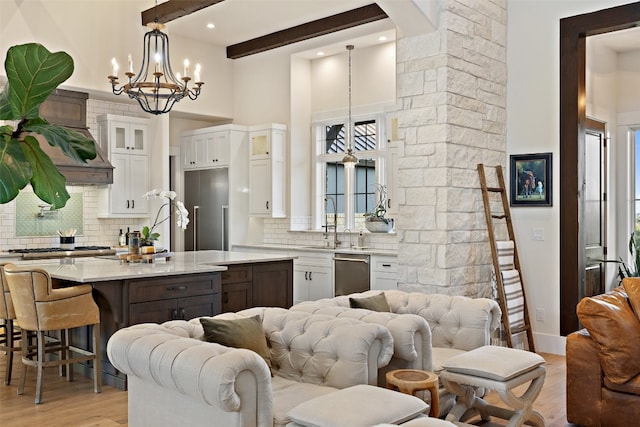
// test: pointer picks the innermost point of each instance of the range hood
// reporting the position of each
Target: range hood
(69, 108)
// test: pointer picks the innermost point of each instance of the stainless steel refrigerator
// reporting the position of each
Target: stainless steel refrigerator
(206, 197)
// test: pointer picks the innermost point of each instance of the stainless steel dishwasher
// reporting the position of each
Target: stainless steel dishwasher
(351, 273)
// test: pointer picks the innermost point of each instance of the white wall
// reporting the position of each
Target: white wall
(533, 99)
(93, 32)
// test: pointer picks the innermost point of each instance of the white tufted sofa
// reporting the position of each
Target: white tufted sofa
(410, 332)
(175, 378)
(457, 323)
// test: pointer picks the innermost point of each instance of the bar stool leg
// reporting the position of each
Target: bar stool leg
(24, 348)
(40, 366)
(8, 326)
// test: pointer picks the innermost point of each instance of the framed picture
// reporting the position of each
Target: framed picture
(531, 182)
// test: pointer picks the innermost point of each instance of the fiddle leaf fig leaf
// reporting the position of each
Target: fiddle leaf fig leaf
(32, 73)
(72, 143)
(15, 172)
(48, 184)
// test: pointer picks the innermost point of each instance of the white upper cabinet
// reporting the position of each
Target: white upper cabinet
(125, 139)
(125, 134)
(267, 171)
(205, 148)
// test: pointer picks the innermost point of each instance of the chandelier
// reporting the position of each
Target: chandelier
(349, 159)
(155, 87)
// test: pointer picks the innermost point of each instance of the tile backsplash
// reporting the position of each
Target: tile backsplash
(34, 218)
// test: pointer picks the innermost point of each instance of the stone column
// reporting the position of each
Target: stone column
(452, 116)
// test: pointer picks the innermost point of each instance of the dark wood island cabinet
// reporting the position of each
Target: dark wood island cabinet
(257, 285)
(192, 285)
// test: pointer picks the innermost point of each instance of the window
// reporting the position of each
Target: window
(354, 192)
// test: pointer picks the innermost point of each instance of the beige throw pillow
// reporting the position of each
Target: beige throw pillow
(238, 333)
(373, 303)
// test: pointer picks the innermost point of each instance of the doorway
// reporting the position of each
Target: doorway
(573, 33)
(593, 200)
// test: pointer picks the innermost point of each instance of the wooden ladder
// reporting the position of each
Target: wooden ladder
(513, 301)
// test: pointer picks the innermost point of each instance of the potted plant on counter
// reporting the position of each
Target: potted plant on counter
(33, 73)
(376, 221)
(148, 236)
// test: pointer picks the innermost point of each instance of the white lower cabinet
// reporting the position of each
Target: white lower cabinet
(312, 276)
(384, 272)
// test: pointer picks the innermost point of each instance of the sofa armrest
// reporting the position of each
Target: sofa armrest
(410, 332)
(584, 379)
(204, 371)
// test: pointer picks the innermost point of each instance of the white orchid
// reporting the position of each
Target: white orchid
(181, 213)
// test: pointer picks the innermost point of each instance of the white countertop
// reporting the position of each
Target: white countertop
(318, 248)
(97, 269)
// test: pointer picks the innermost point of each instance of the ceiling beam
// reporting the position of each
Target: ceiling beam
(174, 9)
(320, 27)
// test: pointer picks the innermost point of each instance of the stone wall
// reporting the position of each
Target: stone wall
(452, 116)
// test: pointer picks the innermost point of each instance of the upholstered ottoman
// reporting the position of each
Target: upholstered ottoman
(357, 406)
(500, 369)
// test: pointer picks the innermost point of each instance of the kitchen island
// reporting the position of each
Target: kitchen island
(188, 285)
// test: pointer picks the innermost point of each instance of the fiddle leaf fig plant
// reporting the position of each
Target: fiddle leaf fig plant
(33, 73)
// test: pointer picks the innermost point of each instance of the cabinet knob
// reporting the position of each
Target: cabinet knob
(310, 275)
(306, 275)
(133, 204)
(225, 297)
(127, 204)
(267, 205)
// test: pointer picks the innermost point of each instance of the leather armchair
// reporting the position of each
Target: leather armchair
(603, 372)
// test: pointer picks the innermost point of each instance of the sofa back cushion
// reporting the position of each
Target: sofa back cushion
(614, 326)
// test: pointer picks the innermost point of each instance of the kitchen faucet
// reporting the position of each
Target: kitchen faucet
(336, 242)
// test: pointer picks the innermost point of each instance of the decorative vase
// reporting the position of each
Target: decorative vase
(378, 224)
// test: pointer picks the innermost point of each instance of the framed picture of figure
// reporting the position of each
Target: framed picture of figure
(531, 180)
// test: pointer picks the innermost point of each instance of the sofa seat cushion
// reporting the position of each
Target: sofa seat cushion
(612, 323)
(630, 387)
(288, 394)
(440, 355)
(494, 362)
(358, 406)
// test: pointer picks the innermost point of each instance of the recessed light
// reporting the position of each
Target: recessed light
(320, 53)
(382, 39)
(211, 26)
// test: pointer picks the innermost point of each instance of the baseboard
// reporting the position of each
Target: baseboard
(546, 343)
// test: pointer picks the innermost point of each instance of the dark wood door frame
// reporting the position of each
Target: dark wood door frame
(573, 33)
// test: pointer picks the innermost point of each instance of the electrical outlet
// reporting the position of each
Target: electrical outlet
(540, 314)
(537, 234)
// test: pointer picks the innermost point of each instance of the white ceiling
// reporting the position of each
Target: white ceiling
(619, 41)
(241, 20)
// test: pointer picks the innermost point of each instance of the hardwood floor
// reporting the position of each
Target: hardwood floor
(75, 405)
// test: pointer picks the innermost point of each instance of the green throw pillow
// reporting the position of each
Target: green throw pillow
(238, 333)
(373, 303)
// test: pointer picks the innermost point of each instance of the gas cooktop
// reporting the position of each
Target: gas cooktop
(78, 251)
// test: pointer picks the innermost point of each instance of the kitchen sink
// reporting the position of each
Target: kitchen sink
(328, 248)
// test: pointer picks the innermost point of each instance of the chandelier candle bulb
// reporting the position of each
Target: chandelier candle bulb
(197, 73)
(114, 64)
(130, 64)
(186, 68)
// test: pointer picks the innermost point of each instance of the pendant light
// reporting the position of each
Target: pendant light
(349, 159)
(155, 87)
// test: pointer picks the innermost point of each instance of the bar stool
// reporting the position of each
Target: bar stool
(41, 308)
(9, 335)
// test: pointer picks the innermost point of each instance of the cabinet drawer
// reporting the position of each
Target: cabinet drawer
(385, 265)
(237, 274)
(174, 287)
